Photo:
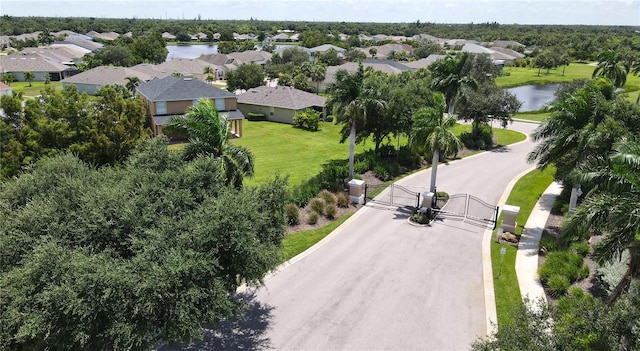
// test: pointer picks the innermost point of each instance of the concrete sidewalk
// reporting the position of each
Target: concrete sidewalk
(527, 255)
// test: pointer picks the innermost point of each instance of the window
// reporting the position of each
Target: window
(220, 105)
(161, 108)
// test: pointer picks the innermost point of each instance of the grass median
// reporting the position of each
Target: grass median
(524, 194)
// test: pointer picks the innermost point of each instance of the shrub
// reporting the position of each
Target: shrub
(313, 217)
(381, 173)
(292, 214)
(420, 217)
(360, 167)
(327, 196)
(256, 117)
(558, 285)
(547, 245)
(581, 248)
(329, 118)
(317, 205)
(308, 119)
(342, 200)
(330, 210)
(566, 263)
(479, 140)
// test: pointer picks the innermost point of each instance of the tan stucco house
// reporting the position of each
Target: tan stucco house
(172, 96)
(279, 104)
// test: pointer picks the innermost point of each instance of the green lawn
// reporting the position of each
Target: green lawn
(518, 76)
(281, 148)
(295, 243)
(35, 88)
(525, 194)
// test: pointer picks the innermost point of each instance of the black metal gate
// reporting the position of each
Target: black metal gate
(470, 208)
(394, 195)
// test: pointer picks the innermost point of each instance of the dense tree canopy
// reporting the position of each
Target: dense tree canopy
(100, 131)
(245, 77)
(123, 258)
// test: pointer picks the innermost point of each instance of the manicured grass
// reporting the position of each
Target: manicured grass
(295, 243)
(518, 76)
(506, 136)
(35, 88)
(525, 194)
(281, 148)
(533, 116)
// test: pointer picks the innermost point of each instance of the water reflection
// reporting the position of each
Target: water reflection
(190, 51)
(534, 97)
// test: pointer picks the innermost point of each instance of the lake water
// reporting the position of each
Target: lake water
(190, 51)
(534, 97)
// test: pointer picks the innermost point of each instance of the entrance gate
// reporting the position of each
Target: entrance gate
(470, 208)
(394, 195)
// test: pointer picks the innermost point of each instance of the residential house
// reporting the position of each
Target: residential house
(221, 63)
(85, 46)
(279, 104)
(19, 63)
(281, 37)
(322, 49)
(387, 51)
(173, 96)
(252, 56)
(92, 80)
(493, 54)
(295, 37)
(185, 67)
(60, 54)
(507, 44)
(386, 66)
(5, 90)
(168, 36)
(151, 70)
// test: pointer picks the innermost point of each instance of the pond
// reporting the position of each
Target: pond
(190, 51)
(534, 97)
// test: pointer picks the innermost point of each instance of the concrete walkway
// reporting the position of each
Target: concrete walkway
(527, 255)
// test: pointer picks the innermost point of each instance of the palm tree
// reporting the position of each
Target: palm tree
(612, 66)
(432, 134)
(350, 105)
(570, 134)
(208, 134)
(132, 84)
(611, 208)
(565, 60)
(28, 76)
(449, 76)
(210, 72)
(573, 132)
(317, 74)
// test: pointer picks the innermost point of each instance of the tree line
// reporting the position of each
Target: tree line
(579, 42)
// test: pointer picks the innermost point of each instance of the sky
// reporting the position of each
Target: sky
(598, 12)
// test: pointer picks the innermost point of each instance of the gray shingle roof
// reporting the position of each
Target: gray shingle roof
(106, 75)
(180, 89)
(184, 66)
(284, 97)
(30, 62)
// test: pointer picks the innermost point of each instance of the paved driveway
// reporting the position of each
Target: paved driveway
(380, 283)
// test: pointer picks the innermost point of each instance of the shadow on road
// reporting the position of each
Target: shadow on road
(500, 149)
(246, 332)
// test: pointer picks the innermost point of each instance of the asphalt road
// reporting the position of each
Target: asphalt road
(380, 283)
